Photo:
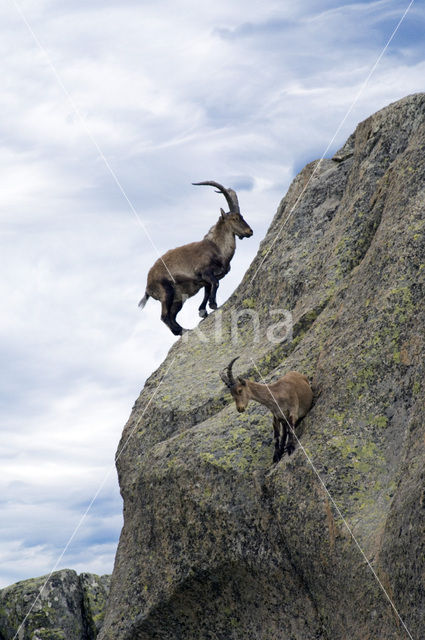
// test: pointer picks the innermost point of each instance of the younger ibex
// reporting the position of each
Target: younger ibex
(289, 399)
(181, 272)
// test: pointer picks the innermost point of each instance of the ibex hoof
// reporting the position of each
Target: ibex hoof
(203, 313)
(290, 449)
(179, 331)
(212, 305)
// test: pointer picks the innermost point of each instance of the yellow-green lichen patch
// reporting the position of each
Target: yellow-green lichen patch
(379, 421)
(242, 448)
(248, 303)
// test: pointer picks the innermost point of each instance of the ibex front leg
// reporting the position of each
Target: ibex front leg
(202, 309)
(276, 429)
(290, 447)
(211, 280)
(283, 438)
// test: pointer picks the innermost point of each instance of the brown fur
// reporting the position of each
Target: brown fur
(180, 273)
(288, 399)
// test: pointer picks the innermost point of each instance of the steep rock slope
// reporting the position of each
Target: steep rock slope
(71, 607)
(217, 542)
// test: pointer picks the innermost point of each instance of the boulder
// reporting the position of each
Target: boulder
(220, 544)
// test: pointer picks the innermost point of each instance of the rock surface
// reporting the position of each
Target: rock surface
(217, 542)
(70, 607)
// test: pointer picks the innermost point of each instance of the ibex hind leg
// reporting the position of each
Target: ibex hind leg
(175, 308)
(170, 308)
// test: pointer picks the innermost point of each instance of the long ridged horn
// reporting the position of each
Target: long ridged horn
(229, 194)
(227, 375)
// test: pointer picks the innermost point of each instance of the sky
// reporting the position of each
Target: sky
(109, 111)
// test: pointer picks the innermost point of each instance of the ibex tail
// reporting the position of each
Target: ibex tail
(144, 300)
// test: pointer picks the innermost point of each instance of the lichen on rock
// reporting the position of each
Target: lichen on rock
(62, 606)
(219, 544)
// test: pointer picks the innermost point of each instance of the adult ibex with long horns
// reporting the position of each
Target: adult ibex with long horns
(180, 273)
(289, 399)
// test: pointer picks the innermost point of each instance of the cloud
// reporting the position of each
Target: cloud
(243, 93)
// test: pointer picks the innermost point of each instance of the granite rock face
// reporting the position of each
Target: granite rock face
(217, 542)
(70, 607)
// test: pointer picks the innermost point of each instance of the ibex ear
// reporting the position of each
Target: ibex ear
(223, 214)
(242, 381)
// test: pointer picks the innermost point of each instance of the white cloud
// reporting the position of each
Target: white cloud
(244, 93)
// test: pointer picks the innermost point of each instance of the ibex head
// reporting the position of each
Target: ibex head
(233, 217)
(238, 388)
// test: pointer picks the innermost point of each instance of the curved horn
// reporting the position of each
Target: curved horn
(227, 375)
(224, 378)
(235, 200)
(229, 194)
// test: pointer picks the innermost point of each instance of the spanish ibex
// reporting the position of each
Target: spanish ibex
(289, 399)
(181, 272)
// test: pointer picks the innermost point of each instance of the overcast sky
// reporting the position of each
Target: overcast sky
(171, 92)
